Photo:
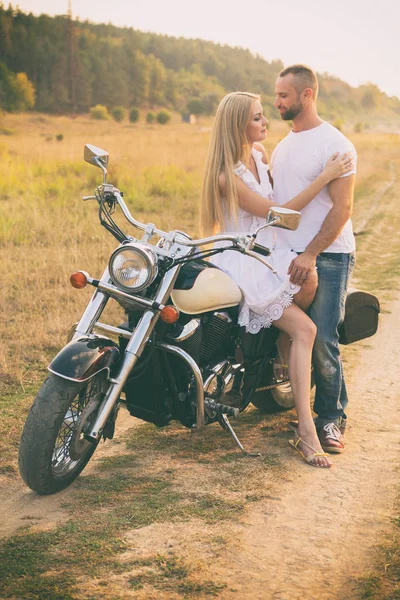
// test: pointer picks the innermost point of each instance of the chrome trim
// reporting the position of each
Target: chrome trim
(111, 329)
(283, 217)
(177, 238)
(198, 377)
(133, 352)
(71, 332)
(240, 241)
(78, 380)
(151, 262)
(223, 316)
(187, 331)
(115, 292)
(98, 157)
(93, 310)
(93, 154)
(264, 262)
(219, 366)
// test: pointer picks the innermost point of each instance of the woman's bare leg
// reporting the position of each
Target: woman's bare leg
(302, 331)
(303, 300)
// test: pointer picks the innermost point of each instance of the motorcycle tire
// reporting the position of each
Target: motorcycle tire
(53, 431)
(277, 399)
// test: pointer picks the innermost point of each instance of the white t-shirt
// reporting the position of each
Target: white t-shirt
(296, 161)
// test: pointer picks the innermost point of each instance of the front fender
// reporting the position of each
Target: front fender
(84, 357)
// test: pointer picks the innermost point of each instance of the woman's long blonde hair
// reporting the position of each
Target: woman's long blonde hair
(228, 147)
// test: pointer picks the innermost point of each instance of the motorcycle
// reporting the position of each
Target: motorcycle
(178, 355)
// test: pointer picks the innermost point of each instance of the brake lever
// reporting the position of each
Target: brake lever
(264, 262)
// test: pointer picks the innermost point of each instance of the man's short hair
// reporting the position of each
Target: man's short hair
(304, 76)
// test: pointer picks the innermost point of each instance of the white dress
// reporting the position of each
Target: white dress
(265, 295)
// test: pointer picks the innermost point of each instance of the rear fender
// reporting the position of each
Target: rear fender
(84, 357)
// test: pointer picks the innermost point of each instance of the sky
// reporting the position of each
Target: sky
(355, 40)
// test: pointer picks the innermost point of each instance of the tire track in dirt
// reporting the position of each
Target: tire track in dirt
(368, 215)
(321, 527)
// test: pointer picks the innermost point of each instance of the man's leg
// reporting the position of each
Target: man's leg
(327, 312)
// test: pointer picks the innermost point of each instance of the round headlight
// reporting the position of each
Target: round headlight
(133, 267)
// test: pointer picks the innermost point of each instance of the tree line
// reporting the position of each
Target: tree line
(61, 65)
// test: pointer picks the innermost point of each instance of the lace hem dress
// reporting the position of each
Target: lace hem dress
(265, 294)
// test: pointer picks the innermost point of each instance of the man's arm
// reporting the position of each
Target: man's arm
(341, 192)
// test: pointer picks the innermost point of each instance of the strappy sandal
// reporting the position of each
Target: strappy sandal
(308, 459)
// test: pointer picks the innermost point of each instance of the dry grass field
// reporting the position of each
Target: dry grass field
(47, 232)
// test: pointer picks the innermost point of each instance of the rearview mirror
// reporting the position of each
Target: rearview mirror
(284, 218)
(96, 156)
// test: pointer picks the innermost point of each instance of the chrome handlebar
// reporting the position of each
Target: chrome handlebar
(181, 238)
(243, 243)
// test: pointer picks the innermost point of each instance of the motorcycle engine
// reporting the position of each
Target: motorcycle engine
(221, 380)
(188, 337)
(203, 338)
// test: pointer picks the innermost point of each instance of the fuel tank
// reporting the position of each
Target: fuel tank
(201, 287)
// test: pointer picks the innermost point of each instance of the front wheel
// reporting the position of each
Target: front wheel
(53, 450)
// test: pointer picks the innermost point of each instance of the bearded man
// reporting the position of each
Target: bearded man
(324, 239)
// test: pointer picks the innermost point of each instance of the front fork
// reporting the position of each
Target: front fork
(133, 350)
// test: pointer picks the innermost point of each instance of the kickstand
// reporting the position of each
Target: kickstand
(225, 424)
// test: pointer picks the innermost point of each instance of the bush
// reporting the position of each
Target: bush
(16, 91)
(118, 113)
(195, 106)
(134, 115)
(163, 117)
(210, 102)
(150, 117)
(99, 112)
(59, 137)
(358, 127)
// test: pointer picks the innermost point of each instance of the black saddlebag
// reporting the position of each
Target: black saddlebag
(361, 317)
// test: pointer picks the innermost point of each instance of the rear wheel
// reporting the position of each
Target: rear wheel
(278, 398)
(53, 449)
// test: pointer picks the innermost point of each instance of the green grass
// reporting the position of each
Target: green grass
(25, 560)
(14, 405)
(169, 573)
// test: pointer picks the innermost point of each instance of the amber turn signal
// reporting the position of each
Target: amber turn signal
(78, 280)
(169, 314)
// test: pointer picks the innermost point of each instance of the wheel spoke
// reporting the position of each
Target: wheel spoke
(62, 462)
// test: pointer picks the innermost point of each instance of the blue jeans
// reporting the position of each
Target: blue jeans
(327, 312)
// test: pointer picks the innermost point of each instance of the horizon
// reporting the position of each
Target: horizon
(363, 41)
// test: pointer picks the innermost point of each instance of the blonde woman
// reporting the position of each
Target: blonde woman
(236, 197)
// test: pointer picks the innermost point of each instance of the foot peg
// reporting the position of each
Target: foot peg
(221, 409)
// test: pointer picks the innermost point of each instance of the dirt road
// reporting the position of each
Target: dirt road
(322, 527)
(317, 528)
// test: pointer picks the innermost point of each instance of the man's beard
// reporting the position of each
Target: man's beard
(292, 112)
